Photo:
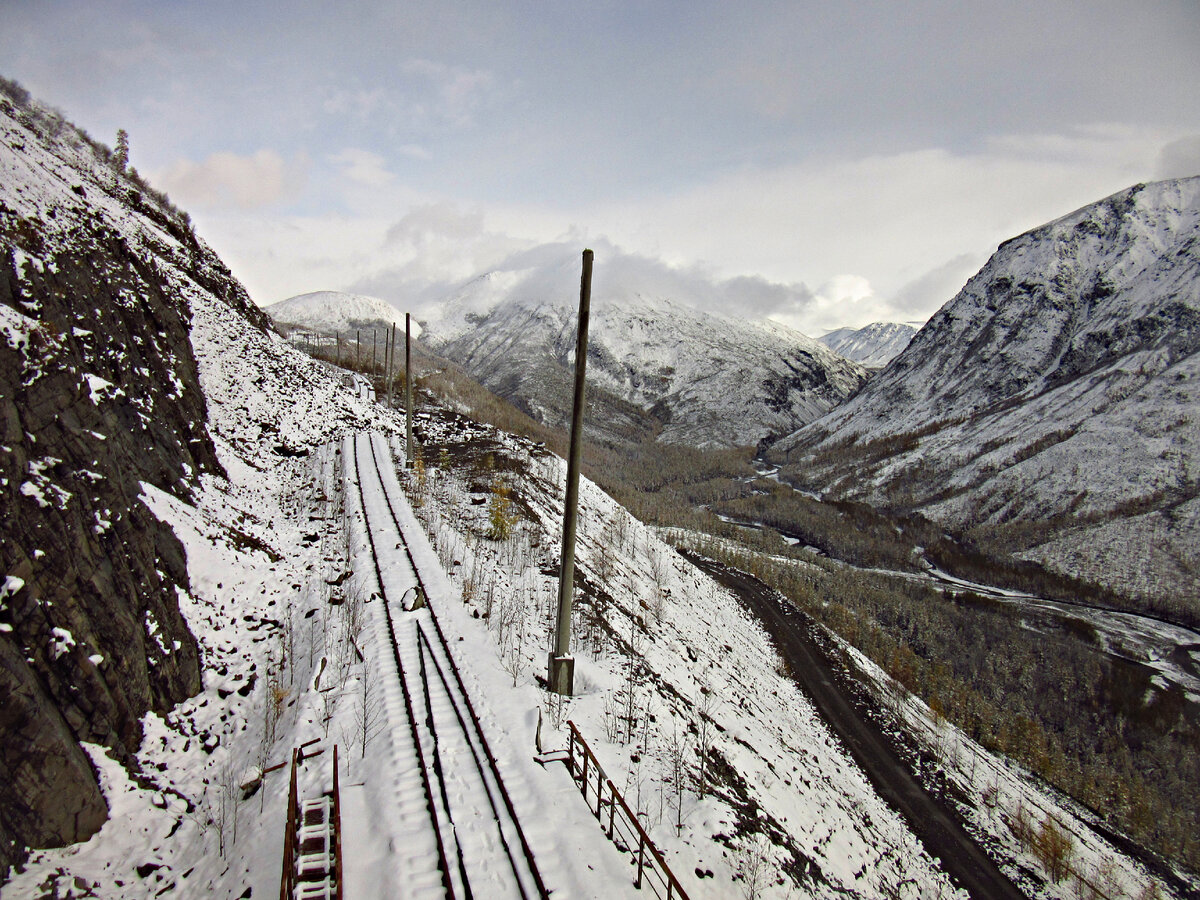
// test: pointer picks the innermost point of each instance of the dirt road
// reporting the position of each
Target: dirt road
(937, 827)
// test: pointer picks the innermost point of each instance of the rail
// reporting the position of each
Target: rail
(469, 726)
(624, 830)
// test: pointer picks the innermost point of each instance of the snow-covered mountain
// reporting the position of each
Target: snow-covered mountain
(655, 365)
(873, 346)
(335, 311)
(1053, 401)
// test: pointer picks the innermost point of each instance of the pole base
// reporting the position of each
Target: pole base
(561, 671)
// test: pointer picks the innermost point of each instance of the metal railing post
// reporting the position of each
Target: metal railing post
(287, 878)
(641, 855)
(612, 807)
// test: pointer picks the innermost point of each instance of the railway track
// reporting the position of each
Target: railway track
(481, 849)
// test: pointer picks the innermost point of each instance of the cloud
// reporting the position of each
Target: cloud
(361, 103)
(430, 250)
(363, 167)
(227, 180)
(816, 244)
(1180, 158)
(935, 288)
(457, 92)
(435, 221)
(888, 219)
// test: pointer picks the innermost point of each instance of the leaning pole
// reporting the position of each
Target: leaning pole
(561, 663)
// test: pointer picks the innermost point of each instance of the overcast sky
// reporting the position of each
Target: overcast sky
(846, 163)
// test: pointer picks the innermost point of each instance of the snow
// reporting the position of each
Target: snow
(10, 586)
(721, 380)
(61, 642)
(874, 345)
(16, 327)
(337, 311)
(1059, 384)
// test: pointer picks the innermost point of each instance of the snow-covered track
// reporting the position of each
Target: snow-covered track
(481, 848)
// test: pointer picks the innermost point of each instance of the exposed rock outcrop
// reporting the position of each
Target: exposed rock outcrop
(98, 393)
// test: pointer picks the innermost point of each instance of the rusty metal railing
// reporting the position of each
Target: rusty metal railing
(623, 827)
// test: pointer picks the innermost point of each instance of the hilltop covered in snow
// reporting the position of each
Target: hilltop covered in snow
(330, 312)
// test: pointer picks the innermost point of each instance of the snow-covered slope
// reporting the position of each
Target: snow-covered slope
(1060, 387)
(335, 311)
(873, 346)
(702, 379)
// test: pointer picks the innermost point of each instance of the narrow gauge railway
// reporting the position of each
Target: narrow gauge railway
(481, 848)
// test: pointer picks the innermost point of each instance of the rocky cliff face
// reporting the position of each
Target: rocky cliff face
(98, 393)
(1052, 403)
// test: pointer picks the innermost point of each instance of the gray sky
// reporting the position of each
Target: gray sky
(844, 162)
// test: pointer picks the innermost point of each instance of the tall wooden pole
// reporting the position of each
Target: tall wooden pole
(372, 352)
(408, 437)
(562, 664)
(389, 354)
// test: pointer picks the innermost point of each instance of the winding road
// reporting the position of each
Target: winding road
(937, 827)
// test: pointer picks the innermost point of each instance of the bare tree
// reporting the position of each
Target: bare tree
(678, 750)
(221, 799)
(368, 715)
(753, 865)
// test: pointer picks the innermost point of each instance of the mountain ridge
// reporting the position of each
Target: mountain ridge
(873, 346)
(334, 311)
(1054, 394)
(706, 380)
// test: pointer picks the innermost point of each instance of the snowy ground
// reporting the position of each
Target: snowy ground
(668, 665)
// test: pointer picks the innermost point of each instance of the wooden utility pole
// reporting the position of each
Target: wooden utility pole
(389, 336)
(408, 437)
(561, 663)
(372, 352)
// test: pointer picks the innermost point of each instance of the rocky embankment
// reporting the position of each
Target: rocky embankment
(98, 393)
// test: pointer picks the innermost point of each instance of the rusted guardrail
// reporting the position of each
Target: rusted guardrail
(337, 823)
(623, 827)
(287, 880)
(322, 868)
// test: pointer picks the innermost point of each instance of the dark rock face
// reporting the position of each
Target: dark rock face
(98, 391)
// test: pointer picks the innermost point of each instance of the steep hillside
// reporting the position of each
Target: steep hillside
(1051, 404)
(655, 365)
(104, 399)
(335, 311)
(99, 395)
(873, 346)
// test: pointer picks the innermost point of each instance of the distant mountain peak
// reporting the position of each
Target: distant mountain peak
(1058, 389)
(873, 346)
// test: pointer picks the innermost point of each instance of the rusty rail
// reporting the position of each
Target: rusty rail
(624, 830)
